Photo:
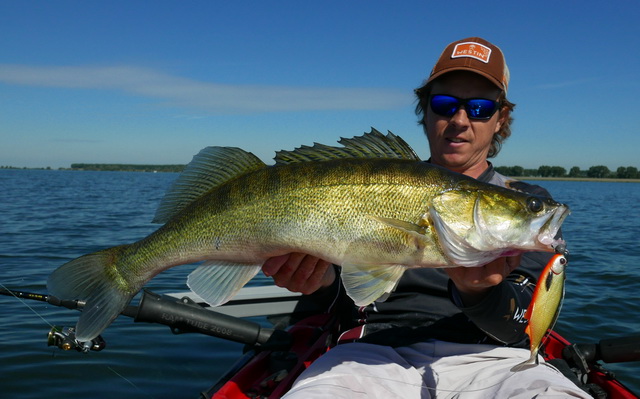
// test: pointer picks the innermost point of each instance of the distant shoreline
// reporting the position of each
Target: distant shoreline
(180, 168)
(594, 179)
(111, 168)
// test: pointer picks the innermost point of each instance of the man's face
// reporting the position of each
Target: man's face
(457, 142)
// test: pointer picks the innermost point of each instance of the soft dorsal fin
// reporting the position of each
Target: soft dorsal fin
(211, 167)
(370, 145)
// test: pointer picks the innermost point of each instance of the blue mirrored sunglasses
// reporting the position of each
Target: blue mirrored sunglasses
(477, 108)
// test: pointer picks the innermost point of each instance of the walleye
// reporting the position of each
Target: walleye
(545, 305)
(371, 206)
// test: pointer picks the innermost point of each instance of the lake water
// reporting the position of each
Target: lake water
(50, 217)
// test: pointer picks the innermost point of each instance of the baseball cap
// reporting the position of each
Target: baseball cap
(473, 54)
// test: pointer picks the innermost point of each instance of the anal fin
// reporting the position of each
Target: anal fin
(366, 283)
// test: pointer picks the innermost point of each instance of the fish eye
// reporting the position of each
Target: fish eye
(535, 204)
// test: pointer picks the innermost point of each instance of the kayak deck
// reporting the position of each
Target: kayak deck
(266, 373)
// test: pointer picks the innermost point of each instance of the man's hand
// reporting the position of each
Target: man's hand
(299, 272)
(473, 283)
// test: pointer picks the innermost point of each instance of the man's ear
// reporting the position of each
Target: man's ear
(504, 116)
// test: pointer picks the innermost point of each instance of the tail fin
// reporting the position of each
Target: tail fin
(94, 279)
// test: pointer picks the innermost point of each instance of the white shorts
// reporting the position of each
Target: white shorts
(432, 369)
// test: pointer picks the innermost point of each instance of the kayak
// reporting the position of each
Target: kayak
(271, 373)
(579, 363)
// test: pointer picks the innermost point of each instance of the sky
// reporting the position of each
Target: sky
(153, 82)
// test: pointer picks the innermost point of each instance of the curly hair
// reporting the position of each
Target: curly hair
(423, 93)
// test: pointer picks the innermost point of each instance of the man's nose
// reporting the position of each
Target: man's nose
(460, 118)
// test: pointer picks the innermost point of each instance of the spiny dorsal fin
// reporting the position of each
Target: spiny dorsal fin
(370, 145)
(211, 167)
(375, 144)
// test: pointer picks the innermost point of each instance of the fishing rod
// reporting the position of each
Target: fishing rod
(69, 304)
(613, 350)
(180, 315)
(579, 362)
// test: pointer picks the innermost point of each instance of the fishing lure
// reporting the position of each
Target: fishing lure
(545, 305)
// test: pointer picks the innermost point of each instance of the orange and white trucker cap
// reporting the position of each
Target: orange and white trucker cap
(473, 54)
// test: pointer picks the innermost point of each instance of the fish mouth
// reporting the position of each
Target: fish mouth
(549, 225)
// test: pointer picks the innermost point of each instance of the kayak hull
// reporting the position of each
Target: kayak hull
(270, 374)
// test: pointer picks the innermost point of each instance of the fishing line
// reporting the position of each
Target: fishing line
(129, 381)
(26, 304)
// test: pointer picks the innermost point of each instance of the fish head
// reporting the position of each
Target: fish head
(476, 225)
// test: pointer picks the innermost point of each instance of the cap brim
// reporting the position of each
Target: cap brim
(469, 69)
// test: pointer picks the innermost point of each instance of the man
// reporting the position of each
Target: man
(442, 331)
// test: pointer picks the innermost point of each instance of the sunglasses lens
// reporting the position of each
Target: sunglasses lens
(444, 105)
(477, 108)
(481, 108)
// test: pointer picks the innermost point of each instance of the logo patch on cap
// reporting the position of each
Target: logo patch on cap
(472, 50)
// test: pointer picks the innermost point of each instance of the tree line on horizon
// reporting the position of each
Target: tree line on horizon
(597, 172)
(120, 167)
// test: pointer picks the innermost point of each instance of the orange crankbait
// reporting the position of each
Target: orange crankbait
(544, 309)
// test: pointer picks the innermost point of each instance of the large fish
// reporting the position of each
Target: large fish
(370, 206)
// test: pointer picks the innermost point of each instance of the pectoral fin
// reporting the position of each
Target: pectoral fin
(218, 282)
(408, 227)
(366, 283)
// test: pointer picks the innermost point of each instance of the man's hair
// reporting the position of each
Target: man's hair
(506, 106)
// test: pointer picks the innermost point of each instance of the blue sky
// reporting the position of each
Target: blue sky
(156, 81)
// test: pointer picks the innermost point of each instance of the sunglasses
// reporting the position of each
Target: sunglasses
(477, 108)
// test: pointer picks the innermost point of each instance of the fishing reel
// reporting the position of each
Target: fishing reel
(65, 339)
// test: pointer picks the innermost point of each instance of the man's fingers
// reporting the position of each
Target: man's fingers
(315, 276)
(272, 265)
(299, 272)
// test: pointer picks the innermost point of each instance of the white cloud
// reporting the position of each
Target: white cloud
(212, 97)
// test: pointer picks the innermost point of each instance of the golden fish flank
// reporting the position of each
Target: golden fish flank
(371, 206)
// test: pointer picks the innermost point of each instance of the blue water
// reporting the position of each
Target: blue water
(50, 217)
